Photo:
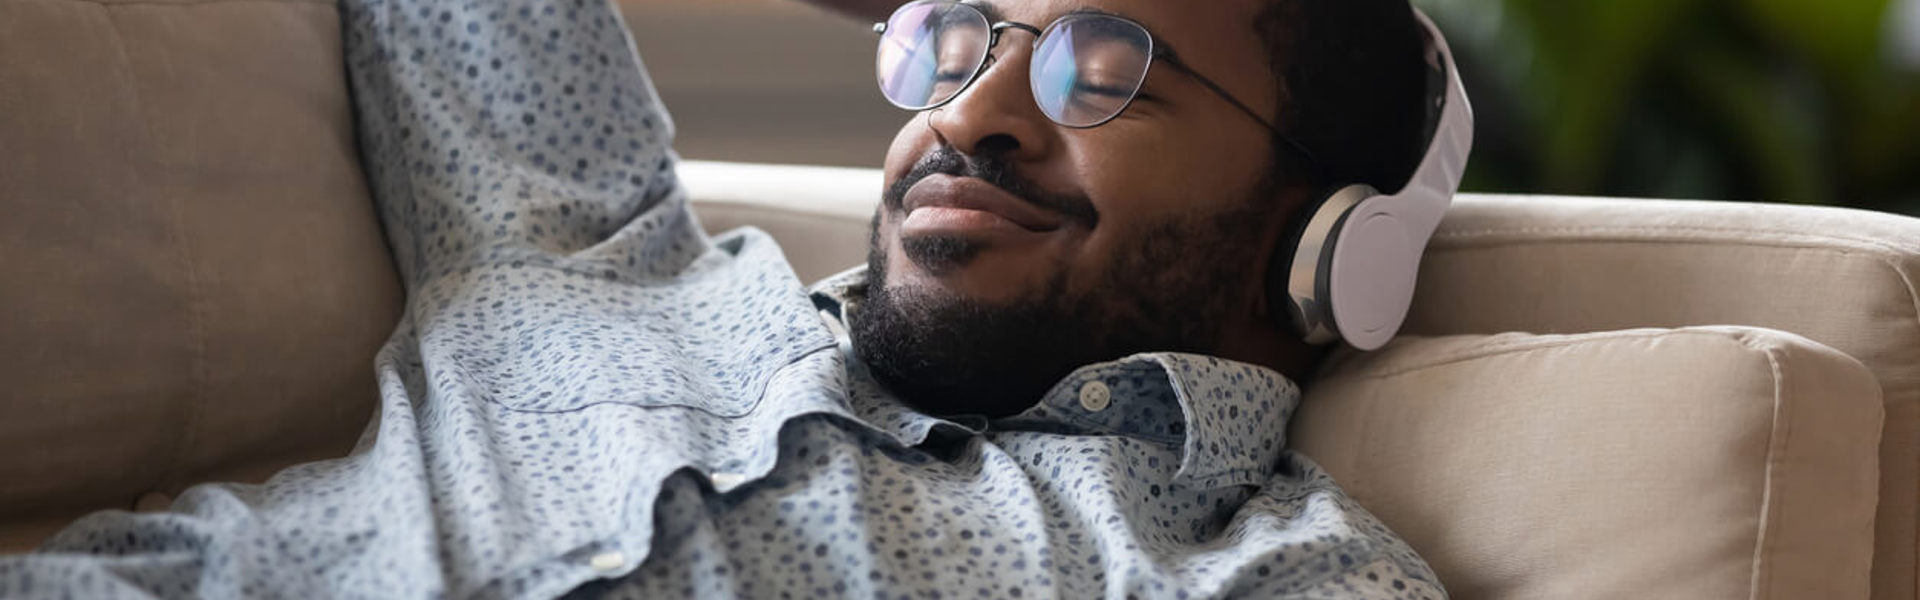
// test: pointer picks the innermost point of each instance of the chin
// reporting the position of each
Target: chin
(958, 269)
(949, 352)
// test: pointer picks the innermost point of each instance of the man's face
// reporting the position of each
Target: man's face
(1010, 250)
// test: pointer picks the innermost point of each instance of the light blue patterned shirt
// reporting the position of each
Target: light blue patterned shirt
(589, 395)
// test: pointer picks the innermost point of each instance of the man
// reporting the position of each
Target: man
(1057, 377)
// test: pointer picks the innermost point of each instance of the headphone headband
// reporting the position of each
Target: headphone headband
(1450, 137)
(1354, 264)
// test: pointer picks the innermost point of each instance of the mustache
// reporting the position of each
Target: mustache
(997, 171)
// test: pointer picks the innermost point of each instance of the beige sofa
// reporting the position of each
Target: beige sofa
(1709, 400)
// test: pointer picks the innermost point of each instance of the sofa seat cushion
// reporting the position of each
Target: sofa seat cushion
(195, 280)
(1711, 462)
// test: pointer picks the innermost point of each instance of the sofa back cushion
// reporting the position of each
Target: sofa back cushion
(819, 215)
(1695, 463)
(1843, 278)
(195, 281)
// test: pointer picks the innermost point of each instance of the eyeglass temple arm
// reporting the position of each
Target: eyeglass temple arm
(1172, 59)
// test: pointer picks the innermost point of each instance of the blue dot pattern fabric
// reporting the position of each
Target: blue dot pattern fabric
(588, 395)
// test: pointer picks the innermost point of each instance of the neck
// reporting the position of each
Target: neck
(1263, 342)
(1257, 335)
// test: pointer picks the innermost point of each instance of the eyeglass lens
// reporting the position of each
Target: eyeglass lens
(1084, 71)
(930, 50)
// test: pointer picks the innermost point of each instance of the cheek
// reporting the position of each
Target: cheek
(913, 141)
(1156, 178)
(1146, 182)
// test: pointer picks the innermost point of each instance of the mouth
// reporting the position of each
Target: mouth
(952, 205)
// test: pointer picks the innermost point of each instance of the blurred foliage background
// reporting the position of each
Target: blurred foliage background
(1812, 101)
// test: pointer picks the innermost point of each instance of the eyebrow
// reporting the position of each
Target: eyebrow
(986, 7)
(993, 11)
(1090, 10)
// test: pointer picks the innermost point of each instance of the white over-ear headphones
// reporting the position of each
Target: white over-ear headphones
(1353, 268)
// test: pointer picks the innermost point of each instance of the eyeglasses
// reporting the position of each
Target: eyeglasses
(1086, 68)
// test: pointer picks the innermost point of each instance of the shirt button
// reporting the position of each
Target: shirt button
(608, 561)
(1095, 397)
(724, 481)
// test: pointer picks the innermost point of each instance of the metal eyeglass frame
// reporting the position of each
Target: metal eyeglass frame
(1157, 51)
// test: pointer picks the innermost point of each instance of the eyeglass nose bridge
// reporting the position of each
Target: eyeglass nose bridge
(993, 41)
(1002, 26)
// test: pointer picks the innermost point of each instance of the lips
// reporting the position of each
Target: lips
(952, 195)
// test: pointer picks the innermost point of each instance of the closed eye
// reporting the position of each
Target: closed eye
(1114, 92)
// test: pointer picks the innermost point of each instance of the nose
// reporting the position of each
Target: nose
(997, 113)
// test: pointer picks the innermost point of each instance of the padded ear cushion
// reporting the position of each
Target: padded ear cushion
(1372, 274)
(1299, 284)
(1280, 303)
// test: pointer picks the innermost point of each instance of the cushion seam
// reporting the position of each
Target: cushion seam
(1913, 569)
(1771, 501)
(1528, 345)
(172, 473)
(1657, 234)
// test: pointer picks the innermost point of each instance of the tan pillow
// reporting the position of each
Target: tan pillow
(195, 282)
(1843, 278)
(1713, 462)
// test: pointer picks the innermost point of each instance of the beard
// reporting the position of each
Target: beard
(950, 355)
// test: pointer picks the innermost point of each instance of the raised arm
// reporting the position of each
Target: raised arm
(526, 135)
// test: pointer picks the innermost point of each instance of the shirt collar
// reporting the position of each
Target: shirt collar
(1228, 417)
(840, 291)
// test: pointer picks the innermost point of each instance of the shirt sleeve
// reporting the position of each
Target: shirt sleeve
(534, 137)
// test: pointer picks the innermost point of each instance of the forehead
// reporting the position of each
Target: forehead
(1159, 12)
(1214, 36)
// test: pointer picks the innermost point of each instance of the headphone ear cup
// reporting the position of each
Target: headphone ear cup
(1371, 275)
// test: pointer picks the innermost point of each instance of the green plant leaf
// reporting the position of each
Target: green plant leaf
(1843, 36)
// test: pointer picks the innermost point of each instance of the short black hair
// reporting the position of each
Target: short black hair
(1352, 84)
